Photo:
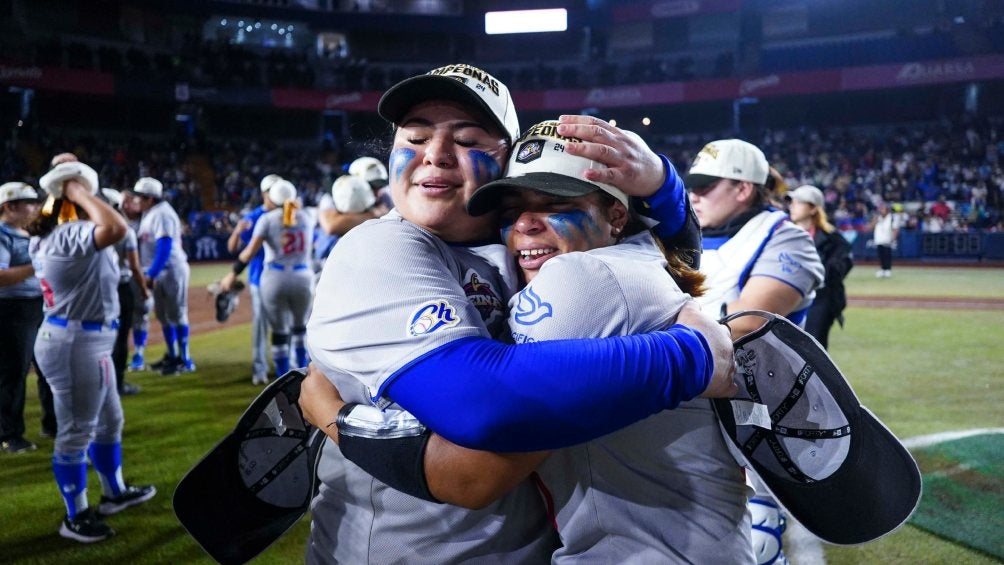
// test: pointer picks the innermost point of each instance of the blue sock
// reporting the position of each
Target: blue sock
(183, 342)
(71, 478)
(300, 350)
(170, 337)
(139, 338)
(107, 461)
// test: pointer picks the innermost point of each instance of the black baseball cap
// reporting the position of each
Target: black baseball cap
(257, 482)
(798, 424)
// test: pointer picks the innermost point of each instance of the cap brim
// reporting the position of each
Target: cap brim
(403, 96)
(486, 198)
(242, 497)
(875, 488)
(697, 180)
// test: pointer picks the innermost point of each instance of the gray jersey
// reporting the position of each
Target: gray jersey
(287, 246)
(14, 253)
(767, 245)
(160, 221)
(78, 281)
(122, 249)
(393, 292)
(664, 490)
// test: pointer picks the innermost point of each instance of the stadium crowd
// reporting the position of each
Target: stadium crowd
(940, 177)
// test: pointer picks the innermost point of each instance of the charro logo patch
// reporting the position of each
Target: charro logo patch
(530, 309)
(482, 296)
(432, 316)
(530, 151)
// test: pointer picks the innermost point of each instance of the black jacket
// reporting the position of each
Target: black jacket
(835, 253)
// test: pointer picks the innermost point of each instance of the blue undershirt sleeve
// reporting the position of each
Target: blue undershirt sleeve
(160, 257)
(669, 204)
(486, 395)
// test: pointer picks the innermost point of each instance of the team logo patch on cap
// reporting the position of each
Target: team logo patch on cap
(432, 316)
(530, 151)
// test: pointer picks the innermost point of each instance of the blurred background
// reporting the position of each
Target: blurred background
(893, 100)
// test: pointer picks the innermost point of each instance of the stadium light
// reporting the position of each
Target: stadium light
(526, 21)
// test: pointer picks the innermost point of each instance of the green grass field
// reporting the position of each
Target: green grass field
(920, 371)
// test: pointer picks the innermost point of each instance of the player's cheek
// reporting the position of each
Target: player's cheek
(399, 160)
(483, 166)
(575, 227)
(505, 229)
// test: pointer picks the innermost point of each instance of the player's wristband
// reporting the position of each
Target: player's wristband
(239, 266)
(392, 450)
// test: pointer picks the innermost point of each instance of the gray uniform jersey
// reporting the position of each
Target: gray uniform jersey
(288, 246)
(664, 490)
(122, 248)
(14, 253)
(393, 292)
(768, 245)
(73, 289)
(160, 221)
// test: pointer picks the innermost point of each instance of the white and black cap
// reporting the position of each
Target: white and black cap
(798, 424)
(460, 83)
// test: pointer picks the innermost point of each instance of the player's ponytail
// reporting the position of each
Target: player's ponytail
(288, 213)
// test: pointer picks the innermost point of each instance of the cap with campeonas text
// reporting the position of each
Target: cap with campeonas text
(460, 83)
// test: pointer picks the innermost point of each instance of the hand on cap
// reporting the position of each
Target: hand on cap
(722, 384)
(632, 166)
(53, 181)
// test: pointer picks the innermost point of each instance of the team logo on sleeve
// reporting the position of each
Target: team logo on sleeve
(481, 295)
(432, 316)
(530, 309)
(788, 263)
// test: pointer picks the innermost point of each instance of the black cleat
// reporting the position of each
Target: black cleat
(17, 445)
(85, 527)
(131, 496)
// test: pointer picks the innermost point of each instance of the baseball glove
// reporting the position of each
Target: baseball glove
(226, 302)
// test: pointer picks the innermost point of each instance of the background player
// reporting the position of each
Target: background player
(755, 258)
(78, 271)
(128, 252)
(20, 310)
(287, 282)
(166, 269)
(239, 238)
(142, 297)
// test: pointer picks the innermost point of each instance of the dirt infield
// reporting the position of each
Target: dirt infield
(202, 314)
(927, 302)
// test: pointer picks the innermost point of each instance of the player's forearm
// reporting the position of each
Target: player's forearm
(14, 275)
(474, 479)
(334, 222)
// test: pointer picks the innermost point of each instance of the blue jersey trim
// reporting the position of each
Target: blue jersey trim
(160, 256)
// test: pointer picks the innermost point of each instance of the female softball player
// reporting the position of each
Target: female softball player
(78, 271)
(287, 282)
(663, 490)
(442, 292)
(755, 259)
